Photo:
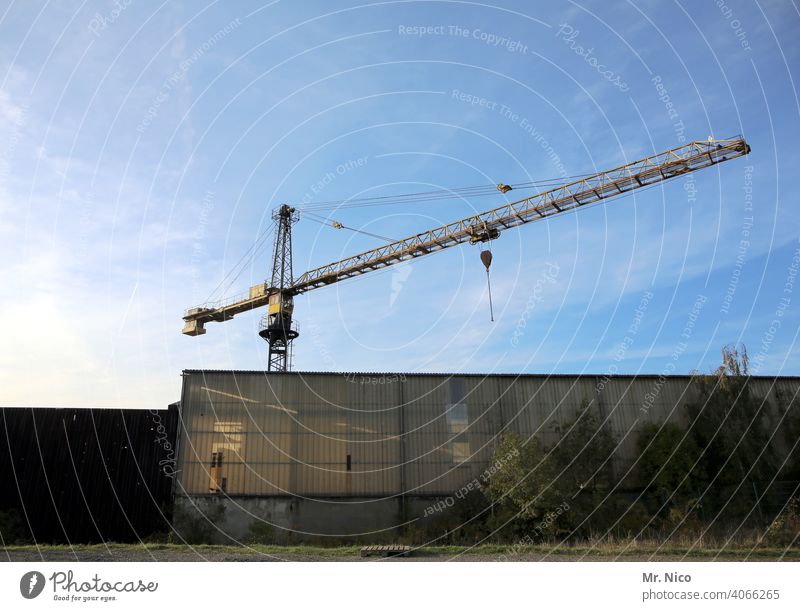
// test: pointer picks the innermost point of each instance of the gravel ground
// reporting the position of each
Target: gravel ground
(226, 555)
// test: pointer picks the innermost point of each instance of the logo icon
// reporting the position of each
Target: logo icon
(31, 584)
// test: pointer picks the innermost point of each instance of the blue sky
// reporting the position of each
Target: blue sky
(143, 147)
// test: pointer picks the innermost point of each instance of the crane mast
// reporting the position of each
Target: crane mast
(277, 327)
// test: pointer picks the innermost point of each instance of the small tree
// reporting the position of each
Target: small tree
(735, 362)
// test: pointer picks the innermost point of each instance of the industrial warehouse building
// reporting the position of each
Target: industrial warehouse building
(331, 454)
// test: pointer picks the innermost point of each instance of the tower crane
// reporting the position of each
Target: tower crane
(277, 327)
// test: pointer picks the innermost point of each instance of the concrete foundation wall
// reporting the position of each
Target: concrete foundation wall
(287, 519)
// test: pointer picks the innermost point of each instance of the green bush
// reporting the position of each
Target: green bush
(559, 491)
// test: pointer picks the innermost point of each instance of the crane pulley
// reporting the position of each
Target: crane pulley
(277, 327)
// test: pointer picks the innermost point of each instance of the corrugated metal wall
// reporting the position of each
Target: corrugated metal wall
(378, 435)
(88, 475)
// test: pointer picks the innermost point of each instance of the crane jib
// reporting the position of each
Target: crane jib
(488, 225)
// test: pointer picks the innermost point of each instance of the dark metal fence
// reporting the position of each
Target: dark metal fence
(86, 475)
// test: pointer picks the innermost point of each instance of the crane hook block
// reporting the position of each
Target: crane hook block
(486, 258)
(503, 188)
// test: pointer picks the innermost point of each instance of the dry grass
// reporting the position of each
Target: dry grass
(606, 549)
